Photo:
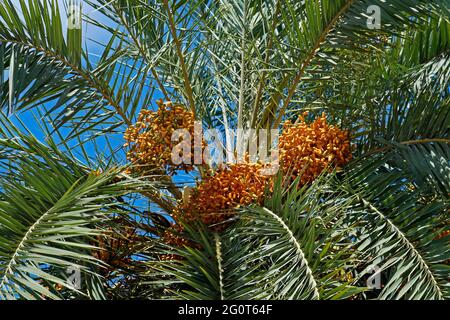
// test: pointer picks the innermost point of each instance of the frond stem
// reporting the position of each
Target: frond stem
(92, 83)
(299, 250)
(173, 31)
(219, 264)
(266, 62)
(8, 269)
(308, 60)
(142, 51)
(405, 240)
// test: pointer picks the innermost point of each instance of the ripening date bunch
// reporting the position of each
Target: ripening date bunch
(215, 199)
(240, 185)
(306, 150)
(150, 138)
(228, 188)
(172, 237)
(112, 247)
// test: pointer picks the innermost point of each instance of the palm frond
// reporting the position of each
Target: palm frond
(295, 247)
(399, 230)
(52, 209)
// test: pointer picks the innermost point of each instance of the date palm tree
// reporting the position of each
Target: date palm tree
(76, 224)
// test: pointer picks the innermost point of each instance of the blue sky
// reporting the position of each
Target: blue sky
(92, 35)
